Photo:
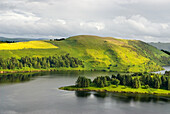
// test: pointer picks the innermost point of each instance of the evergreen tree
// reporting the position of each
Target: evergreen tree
(164, 82)
(38, 65)
(105, 82)
(83, 82)
(129, 80)
(113, 76)
(151, 82)
(136, 83)
(107, 78)
(101, 84)
(48, 64)
(124, 81)
(115, 81)
(168, 85)
(157, 83)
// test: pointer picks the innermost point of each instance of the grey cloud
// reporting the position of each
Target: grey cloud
(144, 20)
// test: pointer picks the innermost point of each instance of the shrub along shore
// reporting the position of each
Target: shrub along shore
(144, 83)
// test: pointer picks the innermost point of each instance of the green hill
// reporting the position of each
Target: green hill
(102, 53)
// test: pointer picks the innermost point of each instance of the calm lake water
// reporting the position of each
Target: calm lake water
(39, 94)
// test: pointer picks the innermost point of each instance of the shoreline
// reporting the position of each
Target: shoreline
(38, 70)
(61, 69)
(114, 90)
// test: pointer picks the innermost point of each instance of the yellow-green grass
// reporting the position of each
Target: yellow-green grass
(26, 45)
(99, 53)
(119, 89)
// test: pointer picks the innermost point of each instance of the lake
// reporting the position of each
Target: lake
(38, 93)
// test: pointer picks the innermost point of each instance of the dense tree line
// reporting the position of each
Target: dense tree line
(167, 52)
(61, 39)
(41, 62)
(7, 41)
(136, 80)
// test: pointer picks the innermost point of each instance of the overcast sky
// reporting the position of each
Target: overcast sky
(147, 20)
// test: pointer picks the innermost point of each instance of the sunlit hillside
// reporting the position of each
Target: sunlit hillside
(97, 53)
(113, 54)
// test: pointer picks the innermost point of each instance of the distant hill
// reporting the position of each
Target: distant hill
(101, 53)
(19, 39)
(164, 46)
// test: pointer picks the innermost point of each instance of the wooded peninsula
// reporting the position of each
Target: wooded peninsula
(144, 83)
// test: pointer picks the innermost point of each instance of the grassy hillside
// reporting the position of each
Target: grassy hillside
(100, 53)
(113, 54)
(164, 46)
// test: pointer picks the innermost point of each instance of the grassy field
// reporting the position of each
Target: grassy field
(98, 53)
(26, 45)
(119, 89)
(113, 54)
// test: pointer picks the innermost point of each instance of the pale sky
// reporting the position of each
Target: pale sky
(146, 20)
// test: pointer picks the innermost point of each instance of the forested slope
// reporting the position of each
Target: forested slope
(98, 53)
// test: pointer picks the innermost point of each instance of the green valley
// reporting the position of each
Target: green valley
(96, 53)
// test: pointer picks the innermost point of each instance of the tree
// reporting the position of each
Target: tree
(48, 64)
(118, 76)
(136, 83)
(83, 82)
(101, 84)
(151, 82)
(38, 65)
(148, 80)
(4, 66)
(113, 76)
(72, 64)
(129, 80)
(115, 81)
(101, 81)
(20, 66)
(124, 81)
(79, 81)
(168, 87)
(164, 82)
(107, 78)
(104, 81)
(157, 83)
(25, 65)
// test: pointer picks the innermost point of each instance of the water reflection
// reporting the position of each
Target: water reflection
(100, 94)
(21, 77)
(124, 97)
(82, 94)
(18, 77)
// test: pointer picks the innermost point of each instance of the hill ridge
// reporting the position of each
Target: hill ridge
(102, 53)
